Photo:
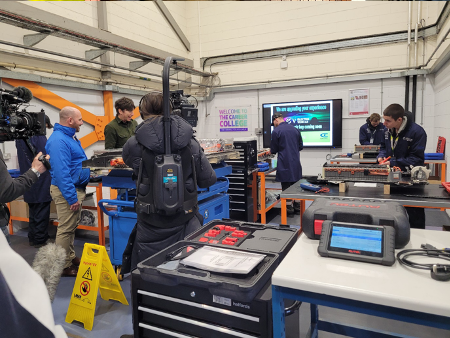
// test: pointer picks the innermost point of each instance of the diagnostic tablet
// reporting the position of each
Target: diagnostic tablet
(358, 242)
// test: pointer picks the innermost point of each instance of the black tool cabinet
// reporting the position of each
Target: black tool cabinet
(242, 203)
(184, 302)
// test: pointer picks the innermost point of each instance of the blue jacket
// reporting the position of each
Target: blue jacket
(66, 157)
(40, 191)
(368, 132)
(410, 148)
(287, 142)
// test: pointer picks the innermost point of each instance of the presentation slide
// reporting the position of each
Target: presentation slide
(312, 118)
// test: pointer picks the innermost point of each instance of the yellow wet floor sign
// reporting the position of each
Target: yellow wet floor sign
(95, 272)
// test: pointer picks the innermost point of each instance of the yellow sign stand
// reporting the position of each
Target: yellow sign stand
(95, 272)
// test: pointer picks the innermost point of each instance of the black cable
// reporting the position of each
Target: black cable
(438, 271)
(291, 309)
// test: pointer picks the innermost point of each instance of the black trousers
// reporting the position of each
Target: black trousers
(285, 185)
(416, 217)
(39, 219)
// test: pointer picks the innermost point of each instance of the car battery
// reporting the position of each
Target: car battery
(189, 302)
(357, 211)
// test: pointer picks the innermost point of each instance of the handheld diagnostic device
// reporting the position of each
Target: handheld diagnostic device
(309, 186)
(358, 242)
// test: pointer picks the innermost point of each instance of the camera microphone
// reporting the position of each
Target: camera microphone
(23, 93)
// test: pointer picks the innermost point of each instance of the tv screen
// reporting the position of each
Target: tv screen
(320, 122)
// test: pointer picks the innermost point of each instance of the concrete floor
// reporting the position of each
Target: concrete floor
(113, 319)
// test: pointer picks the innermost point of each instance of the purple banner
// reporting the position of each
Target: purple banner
(233, 129)
(234, 119)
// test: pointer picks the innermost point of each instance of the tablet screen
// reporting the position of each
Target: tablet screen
(358, 240)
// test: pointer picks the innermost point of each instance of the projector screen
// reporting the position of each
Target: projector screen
(320, 122)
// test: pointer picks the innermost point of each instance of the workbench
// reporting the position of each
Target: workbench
(422, 196)
(263, 208)
(395, 292)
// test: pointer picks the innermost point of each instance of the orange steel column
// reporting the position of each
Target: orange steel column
(302, 211)
(283, 211)
(443, 171)
(108, 105)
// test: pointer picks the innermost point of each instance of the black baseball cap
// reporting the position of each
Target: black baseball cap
(275, 116)
(47, 121)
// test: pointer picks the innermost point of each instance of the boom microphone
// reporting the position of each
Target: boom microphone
(49, 264)
(24, 94)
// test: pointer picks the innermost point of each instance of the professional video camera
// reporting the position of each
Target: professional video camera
(182, 107)
(15, 123)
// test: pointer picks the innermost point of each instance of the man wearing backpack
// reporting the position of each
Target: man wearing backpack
(155, 230)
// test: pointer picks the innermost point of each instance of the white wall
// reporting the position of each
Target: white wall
(312, 159)
(441, 88)
(222, 28)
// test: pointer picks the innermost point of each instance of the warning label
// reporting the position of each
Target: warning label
(106, 277)
(87, 275)
(85, 287)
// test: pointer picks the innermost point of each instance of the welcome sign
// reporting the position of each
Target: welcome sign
(234, 118)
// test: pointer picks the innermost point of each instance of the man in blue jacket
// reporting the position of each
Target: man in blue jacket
(38, 197)
(372, 132)
(405, 142)
(69, 181)
(287, 142)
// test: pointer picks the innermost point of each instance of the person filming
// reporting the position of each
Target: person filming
(13, 188)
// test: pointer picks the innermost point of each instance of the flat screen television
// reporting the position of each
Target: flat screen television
(320, 122)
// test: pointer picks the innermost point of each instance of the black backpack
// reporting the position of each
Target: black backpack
(166, 197)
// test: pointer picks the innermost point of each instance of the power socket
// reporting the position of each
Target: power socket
(258, 131)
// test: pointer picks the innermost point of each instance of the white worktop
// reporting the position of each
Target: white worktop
(396, 286)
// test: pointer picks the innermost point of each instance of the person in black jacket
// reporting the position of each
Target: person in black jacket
(287, 141)
(154, 231)
(38, 197)
(11, 188)
(405, 142)
(372, 132)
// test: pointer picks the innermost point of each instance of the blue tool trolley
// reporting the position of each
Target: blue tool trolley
(213, 203)
(121, 223)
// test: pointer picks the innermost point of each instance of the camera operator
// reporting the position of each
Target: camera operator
(13, 188)
(38, 197)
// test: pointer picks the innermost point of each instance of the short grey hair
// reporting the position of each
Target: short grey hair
(67, 112)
